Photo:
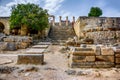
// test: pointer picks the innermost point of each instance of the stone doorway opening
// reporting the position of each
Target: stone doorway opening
(2, 27)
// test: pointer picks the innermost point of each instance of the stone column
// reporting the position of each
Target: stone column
(73, 19)
(60, 20)
(53, 21)
(66, 20)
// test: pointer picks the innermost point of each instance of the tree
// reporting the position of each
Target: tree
(28, 16)
(95, 12)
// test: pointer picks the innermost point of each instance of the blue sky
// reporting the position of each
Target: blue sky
(111, 8)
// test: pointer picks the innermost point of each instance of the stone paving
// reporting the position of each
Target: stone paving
(40, 46)
(44, 43)
(35, 51)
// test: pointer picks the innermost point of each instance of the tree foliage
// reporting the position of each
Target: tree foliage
(95, 12)
(31, 15)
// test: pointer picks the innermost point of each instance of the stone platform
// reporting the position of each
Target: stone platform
(40, 46)
(94, 57)
(30, 59)
(44, 43)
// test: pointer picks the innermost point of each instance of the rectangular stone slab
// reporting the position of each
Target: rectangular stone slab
(103, 65)
(84, 53)
(44, 43)
(40, 46)
(107, 51)
(81, 65)
(83, 49)
(30, 59)
(117, 60)
(83, 58)
(117, 55)
(35, 51)
(98, 50)
(105, 58)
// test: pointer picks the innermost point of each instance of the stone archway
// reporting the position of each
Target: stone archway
(2, 27)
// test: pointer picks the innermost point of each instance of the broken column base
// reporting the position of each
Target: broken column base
(30, 59)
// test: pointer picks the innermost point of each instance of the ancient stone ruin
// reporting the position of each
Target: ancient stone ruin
(102, 29)
(90, 42)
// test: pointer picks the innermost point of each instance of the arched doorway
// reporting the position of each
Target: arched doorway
(2, 27)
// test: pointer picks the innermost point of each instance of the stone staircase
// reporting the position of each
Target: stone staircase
(61, 33)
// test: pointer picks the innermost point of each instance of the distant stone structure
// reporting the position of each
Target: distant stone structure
(61, 30)
(101, 29)
(4, 25)
(61, 22)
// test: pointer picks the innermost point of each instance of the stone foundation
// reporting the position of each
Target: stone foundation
(94, 57)
(17, 42)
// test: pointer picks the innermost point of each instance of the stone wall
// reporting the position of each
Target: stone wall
(92, 56)
(104, 36)
(11, 43)
(102, 29)
(5, 22)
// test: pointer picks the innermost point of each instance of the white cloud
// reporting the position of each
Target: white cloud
(4, 11)
(64, 14)
(53, 5)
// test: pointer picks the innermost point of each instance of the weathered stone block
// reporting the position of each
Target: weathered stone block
(44, 43)
(3, 45)
(107, 51)
(11, 46)
(83, 58)
(30, 59)
(83, 49)
(117, 65)
(105, 58)
(81, 65)
(117, 60)
(24, 45)
(8, 39)
(84, 53)
(40, 46)
(117, 55)
(104, 64)
(98, 50)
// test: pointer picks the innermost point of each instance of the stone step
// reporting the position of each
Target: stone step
(61, 33)
(30, 59)
(35, 51)
(44, 43)
(40, 46)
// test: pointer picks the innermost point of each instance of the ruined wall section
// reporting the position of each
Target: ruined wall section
(105, 36)
(102, 29)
